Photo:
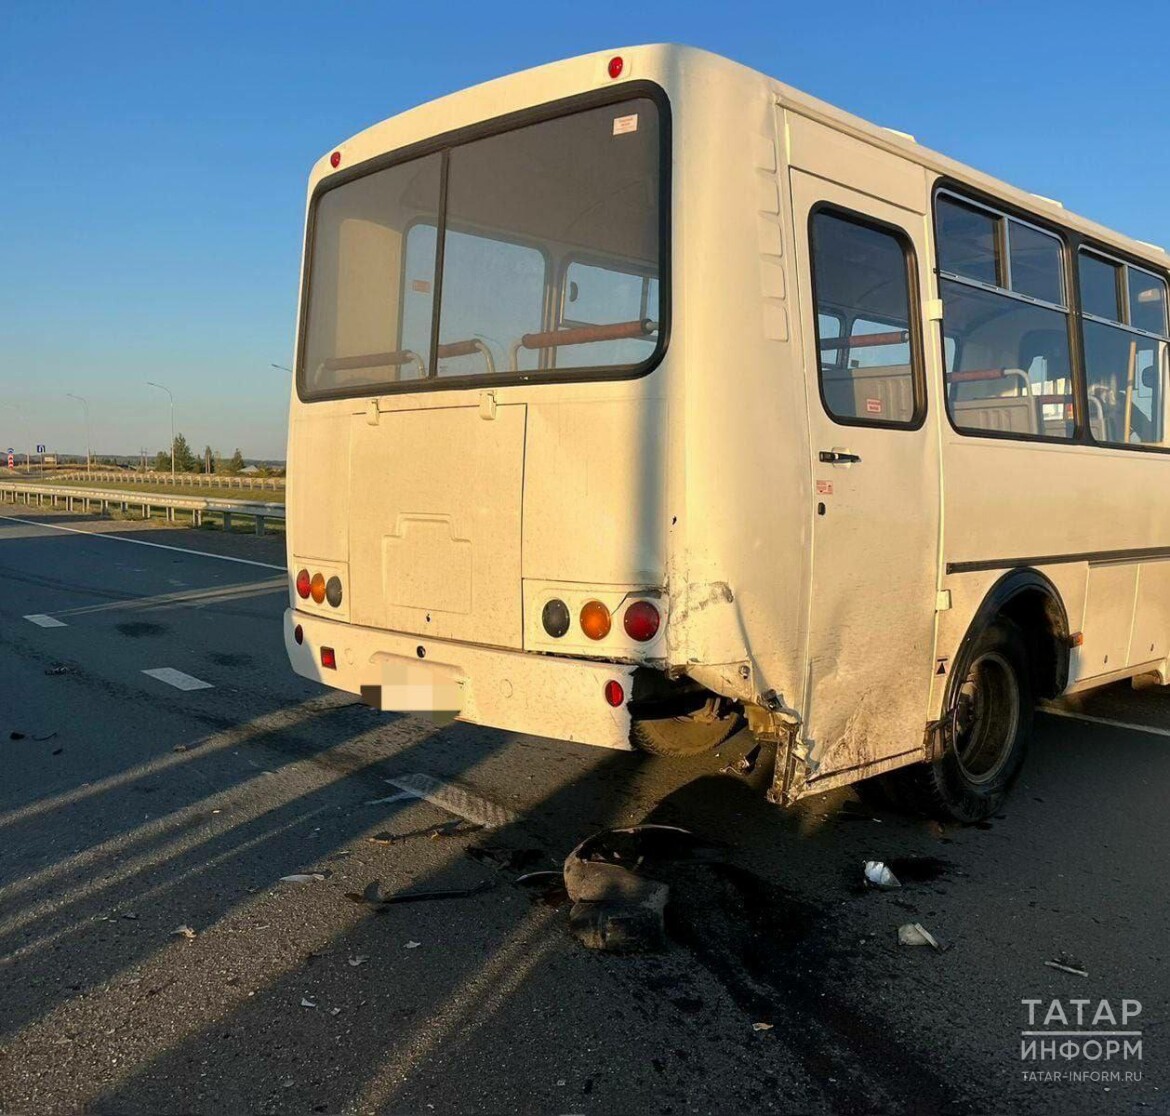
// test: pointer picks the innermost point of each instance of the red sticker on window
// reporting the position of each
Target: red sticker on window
(873, 406)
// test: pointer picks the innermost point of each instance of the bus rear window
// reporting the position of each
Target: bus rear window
(543, 262)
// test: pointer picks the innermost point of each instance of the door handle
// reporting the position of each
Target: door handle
(839, 457)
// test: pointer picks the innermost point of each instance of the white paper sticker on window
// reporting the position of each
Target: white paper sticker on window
(624, 124)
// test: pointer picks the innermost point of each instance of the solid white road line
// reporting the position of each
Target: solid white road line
(1104, 721)
(141, 542)
(44, 621)
(178, 679)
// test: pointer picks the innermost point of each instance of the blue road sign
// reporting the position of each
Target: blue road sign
(40, 448)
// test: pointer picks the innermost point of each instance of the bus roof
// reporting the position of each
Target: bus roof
(541, 84)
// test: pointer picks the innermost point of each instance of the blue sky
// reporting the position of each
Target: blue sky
(155, 158)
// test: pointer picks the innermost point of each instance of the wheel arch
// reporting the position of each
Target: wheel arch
(1031, 601)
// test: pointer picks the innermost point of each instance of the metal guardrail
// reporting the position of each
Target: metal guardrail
(181, 480)
(55, 494)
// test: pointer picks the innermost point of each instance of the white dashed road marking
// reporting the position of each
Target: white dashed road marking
(141, 542)
(43, 621)
(178, 679)
(1129, 727)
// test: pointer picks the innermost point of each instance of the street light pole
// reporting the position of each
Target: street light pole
(85, 411)
(151, 383)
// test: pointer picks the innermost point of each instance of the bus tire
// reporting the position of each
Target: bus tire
(681, 737)
(991, 717)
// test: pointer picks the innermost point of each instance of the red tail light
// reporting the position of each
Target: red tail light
(328, 658)
(304, 583)
(614, 694)
(616, 65)
(299, 634)
(641, 621)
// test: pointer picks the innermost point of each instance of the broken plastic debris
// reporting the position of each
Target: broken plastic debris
(57, 668)
(184, 931)
(307, 1003)
(915, 934)
(335, 1011)
(762, 1026)
(302, 877)
(360, 959)
(1066, 968)
(878, 875)
(617, 904)
(412, 945)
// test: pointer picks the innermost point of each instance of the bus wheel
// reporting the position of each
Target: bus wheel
(683, 736)
(990, 723)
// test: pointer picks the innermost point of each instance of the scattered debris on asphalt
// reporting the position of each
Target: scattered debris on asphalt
(762, 1026)
(454, 799)
(14, 735)
(434, 832)
(180, 748)
(184, 931)
(878, 875)
(1067, 965)
(307, 1003)
(618, 903)
(412, 945)
(44, 736)
(746, 763)
(57, 668)
(360, 959)
(372, 896)
(304, 877)
(915, 934)
(509, 860)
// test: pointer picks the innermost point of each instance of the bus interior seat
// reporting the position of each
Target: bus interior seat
(874, 392)
(1002, 403)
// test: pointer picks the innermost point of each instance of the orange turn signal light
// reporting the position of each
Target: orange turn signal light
(317, 587)
(595, 620)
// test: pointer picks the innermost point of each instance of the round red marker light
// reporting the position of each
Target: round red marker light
(641, 621)
(304, 584)
(614, 694)
(299, 634)
(335, 159)
(616, 65)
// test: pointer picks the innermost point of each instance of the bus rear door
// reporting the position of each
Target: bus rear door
(875, 476)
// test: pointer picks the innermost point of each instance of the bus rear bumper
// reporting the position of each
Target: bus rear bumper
(542, 695)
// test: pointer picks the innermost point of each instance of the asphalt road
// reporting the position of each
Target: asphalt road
(129, 808)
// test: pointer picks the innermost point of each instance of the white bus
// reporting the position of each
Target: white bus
(640, 397)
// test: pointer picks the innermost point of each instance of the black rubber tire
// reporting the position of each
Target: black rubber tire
(984, 756)
(680, 737)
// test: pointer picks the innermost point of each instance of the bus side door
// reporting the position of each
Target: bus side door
(875, 481)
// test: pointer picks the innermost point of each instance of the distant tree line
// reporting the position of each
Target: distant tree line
(210, 461)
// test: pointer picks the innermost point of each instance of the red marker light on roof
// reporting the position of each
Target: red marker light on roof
(616, 65)
(335, 159)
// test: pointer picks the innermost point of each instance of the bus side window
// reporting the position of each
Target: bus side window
(861, 287)
(1125, 366)
(1006, 321)
(595, 295)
